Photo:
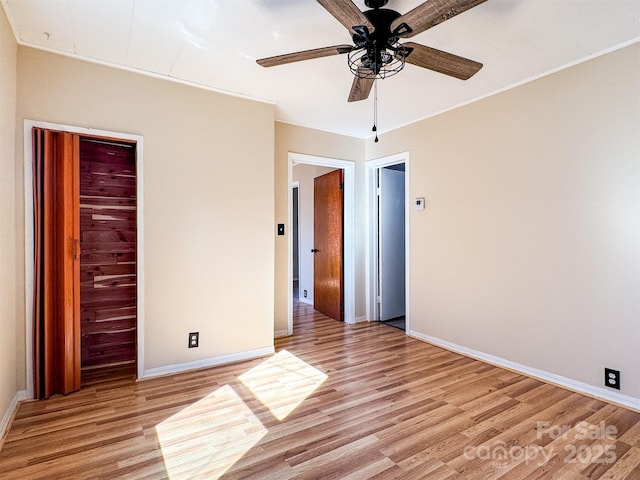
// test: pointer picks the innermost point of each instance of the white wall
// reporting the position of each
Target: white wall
(294, 139)
(208, 251)
(529, 247)
(10, 312)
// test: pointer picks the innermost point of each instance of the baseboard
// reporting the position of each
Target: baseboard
(361, 318)
(281, 333)
(7, 418)
(600, 393)
(208, 362)
(305, 300)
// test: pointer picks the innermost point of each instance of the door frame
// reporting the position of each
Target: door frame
(372, 233)
(29, 240)
(349, 230)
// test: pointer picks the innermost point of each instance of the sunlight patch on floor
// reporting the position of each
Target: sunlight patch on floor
(283, 382)
(208, 437)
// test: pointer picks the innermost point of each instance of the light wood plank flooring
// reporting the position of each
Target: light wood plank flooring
(335, 402)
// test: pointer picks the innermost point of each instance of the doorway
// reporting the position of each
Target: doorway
(348, 168)
(29, 125)
(295, 234)
(388, 240)
(327, 244)
(317, 269)
(391, 273)
(108, 270)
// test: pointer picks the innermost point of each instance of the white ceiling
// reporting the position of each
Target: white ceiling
(214, 44)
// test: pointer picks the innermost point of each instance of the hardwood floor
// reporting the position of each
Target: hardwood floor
(336, 402)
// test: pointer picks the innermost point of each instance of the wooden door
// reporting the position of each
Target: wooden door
(108, 297)
(56, 263)
(328, 245)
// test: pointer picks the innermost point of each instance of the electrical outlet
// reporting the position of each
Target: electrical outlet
(304, 293)
(612, 378)
(194, 338)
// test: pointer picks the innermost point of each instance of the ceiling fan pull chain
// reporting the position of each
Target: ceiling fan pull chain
(375, 108)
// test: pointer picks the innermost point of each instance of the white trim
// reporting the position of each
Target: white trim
(361, 318)
(371, 244)
(349, 230)
(305, 300)
(280, 333)
(573, 385)
(208, 362)
(7, 418)
(28, 228)
(126, 68)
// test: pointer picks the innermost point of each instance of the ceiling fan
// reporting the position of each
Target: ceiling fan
(377, 52)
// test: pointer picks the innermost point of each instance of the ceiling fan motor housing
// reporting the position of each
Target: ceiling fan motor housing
(381, 19)
(378, 47)
(375, 3)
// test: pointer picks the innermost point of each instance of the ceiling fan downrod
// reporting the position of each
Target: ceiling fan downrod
(375, 109)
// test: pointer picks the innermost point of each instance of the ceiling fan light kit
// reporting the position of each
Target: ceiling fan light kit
(372, 63)
(377, 53)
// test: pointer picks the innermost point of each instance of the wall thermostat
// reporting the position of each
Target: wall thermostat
(418, 204)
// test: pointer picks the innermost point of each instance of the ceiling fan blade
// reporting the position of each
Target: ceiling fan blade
(347, 13)
(442, 62)
(304, 55)
(361, 87)
(429, 14)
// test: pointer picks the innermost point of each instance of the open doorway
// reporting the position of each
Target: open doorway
(348, 169)
(303, 229)
(108, 245)
(328, 262)
(295, 238)
(391, 272)
(132, 234)
(388, 240)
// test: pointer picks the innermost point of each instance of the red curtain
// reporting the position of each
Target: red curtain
(56, 262)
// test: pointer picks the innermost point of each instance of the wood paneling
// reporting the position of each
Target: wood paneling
(390, 407)
(328, 239)
(108, 259)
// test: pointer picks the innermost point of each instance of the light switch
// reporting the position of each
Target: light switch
(281, 229)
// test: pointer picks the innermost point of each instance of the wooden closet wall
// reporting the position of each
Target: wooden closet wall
(108, 245)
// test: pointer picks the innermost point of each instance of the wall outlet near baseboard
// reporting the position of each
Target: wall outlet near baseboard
(304, 293)
(612, 378)
(194, 338)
